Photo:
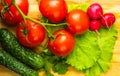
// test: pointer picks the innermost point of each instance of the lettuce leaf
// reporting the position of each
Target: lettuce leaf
(93, 54)
(82, 6)
(86, 51)
(107, 42)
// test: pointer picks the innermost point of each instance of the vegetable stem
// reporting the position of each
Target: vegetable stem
(38, 22)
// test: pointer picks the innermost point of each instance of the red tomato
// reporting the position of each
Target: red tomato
(78, 21)
(63, 43)
(11, 15)
(30, 34)
(54, 10)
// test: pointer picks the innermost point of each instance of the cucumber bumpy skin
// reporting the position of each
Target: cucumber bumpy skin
(10, 44)
(13, 64)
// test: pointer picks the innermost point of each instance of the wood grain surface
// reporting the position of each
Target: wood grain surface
(108, 6)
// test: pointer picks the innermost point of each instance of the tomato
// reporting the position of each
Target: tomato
(11, 15)
(30, 34)
(78, 21)
(54, 10)
(62, 44)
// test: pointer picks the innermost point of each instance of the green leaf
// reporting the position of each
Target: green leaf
(82, 6)
(52, 29)
(47, 65)
(86, 51)
(38, 1)
(49, 74)
(48, 56)
(107, 41)
(60, 67)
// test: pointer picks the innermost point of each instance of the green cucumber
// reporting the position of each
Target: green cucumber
(10, 44)
(10, 62)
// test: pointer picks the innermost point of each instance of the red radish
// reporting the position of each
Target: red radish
(108, 20)
(94, 25)
(95, 11)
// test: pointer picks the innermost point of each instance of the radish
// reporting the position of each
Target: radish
(94, 25)
(108, 20)
(95, 11)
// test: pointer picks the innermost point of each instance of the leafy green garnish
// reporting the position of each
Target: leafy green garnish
(82, 6)
(61, 67)
(49, 74)
(47, 65)
(107, 42)
(86, 51)
(59, 64)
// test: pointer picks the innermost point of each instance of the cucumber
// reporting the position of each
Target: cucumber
(16, 66)
(10, 44)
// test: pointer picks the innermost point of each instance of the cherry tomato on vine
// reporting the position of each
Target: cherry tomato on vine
(78, 21)
(62, 44)
(9, 13)
(54, 10)
(30, 34)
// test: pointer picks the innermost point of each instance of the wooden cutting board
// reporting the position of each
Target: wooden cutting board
(108, 6)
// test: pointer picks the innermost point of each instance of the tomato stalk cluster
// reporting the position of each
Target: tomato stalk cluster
(36, 21)
(31, 32)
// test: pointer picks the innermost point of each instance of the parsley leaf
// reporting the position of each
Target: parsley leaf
(47, 65)
(49, 74)
(107, 42)
(61, 67)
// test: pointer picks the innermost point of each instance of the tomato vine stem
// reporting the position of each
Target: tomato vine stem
(36, 21)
